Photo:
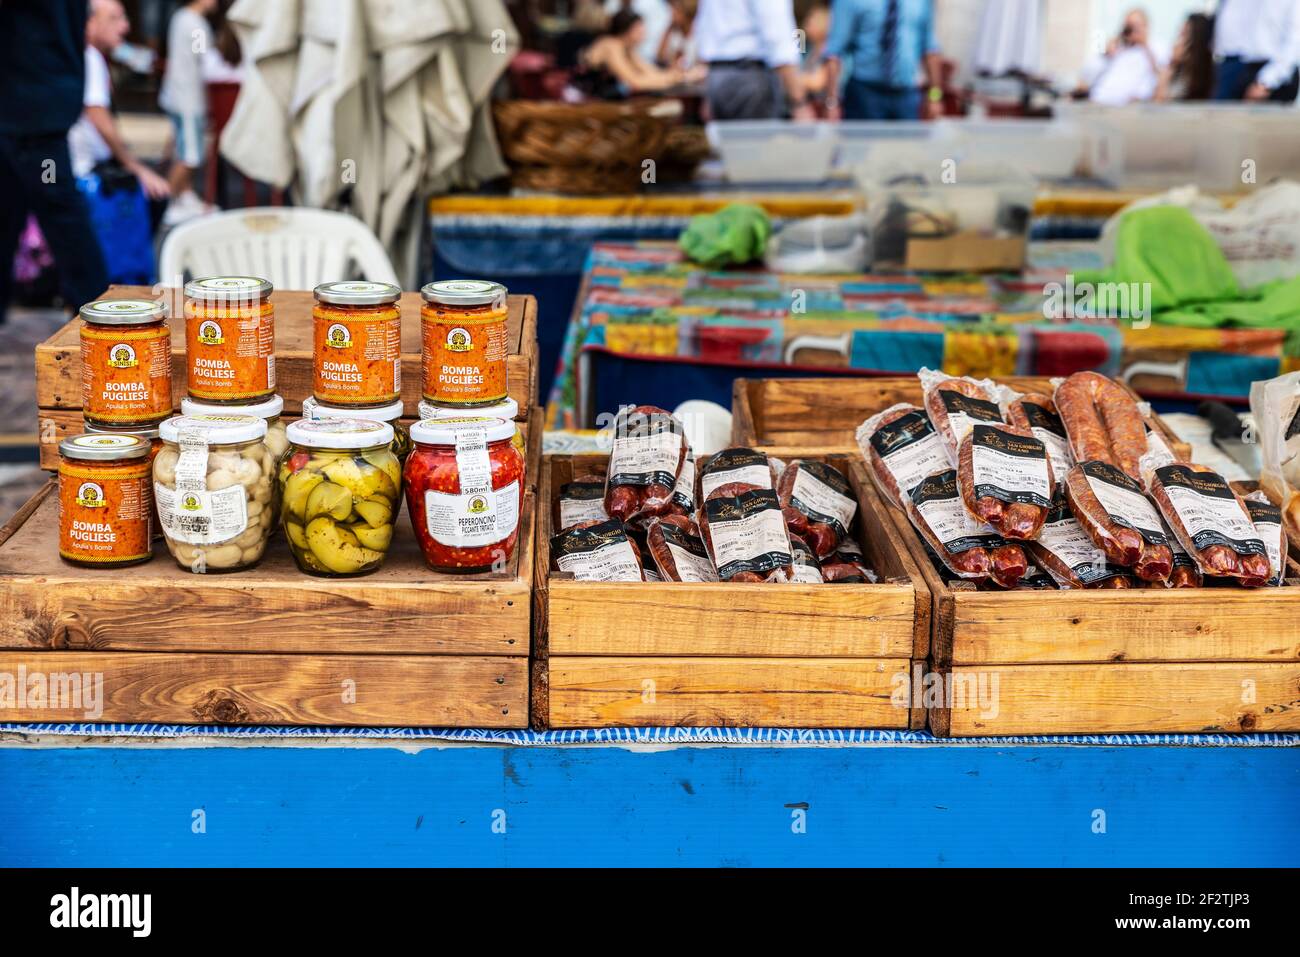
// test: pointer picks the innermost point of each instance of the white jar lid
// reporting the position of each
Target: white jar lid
(101, 447)
(226, 288)
(123, 312)
(507, 408)
(265, 409)
(464, 292)
(340, 433)
(348, 293)
(311, 409)
(446, 431)
(216, 429)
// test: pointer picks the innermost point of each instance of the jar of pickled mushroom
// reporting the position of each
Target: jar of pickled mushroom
(507, 409)
(214, 484)
(126, 362)
(230, 339)
(464, 492)
(340, 485)
(269, 411)
(465, 343)
(149, 434)
(391, 413)
(104, 515)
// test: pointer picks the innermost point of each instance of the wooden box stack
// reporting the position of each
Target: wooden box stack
(271, 645)
(1063, 662)
(722, 654)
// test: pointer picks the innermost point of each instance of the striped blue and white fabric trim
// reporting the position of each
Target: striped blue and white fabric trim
(767, 737)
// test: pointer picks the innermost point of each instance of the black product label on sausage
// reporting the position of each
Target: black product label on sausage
(748, 533)
(647, 449)
(649, 570)
(689, 555)
(822, 493)
(684, 492)
(1037, 578)
(964, 411)
(1064, 537)
(806, 570)
(601, 553)
(1050, 430)
(910, 448)
(738, 465)
(849, 552)
(582, 502)
(1124, 501)
(1208, 510)
(1010, 467)
(1268, 524)
(940, 504)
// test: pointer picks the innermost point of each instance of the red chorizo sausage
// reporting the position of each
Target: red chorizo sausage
(1015, 506)
(1103, 422)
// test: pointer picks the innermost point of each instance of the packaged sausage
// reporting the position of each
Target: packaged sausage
(1272, 532)
(902, 448)
(582, 500)
(678, 551)
(597, 552)
(967, 547)
(737, 465)
(848, 565)
(1209, 520)
(1103, 422)
(649, 571)
(745, 532)
(1037, 579)
(1066, 552)
(683, 502)
(956, 404)
(1119, 518)
(648, 453)
(818, 503)
(806, 568)
(1037, 413)
(1005, 479)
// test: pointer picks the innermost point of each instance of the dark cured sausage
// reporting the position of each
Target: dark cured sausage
(902, 447)
(635, 488)
(749, 500)
(1103, 422)
(824, 487)
(953, 404)
(1229, 547)
(1151, 560)
(678, 551)
(1016, 520)
(972, 550)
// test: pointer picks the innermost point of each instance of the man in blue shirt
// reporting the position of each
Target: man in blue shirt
(887, 41)
(42, 79)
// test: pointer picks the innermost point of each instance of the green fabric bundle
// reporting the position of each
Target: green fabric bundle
(734, 235)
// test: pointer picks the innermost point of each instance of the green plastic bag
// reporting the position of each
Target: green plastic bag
(734, 235)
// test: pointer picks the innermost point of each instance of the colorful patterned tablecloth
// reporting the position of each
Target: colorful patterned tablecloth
(644, 300)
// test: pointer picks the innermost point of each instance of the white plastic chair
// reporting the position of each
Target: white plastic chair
(295, 248)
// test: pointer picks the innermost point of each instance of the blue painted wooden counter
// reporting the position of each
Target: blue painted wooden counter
(428, 802)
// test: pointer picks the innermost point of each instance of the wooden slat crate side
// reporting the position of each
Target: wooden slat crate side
(403, 608)
(539, 677)
(58, 358)
(821, 415)
(1123, 698)
(728, 692)
(725, 619)
(359, 690)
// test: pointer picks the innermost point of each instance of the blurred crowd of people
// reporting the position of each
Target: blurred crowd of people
(1247, 50)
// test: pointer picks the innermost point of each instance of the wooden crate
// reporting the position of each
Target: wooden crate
(789, 416)
(58, 361)
(681, 654)
(270, 645)
(1094, 662)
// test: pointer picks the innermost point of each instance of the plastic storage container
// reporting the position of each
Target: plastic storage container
(105, 520)
(858, 139)
(214, 482)
(1045, 149)
(774, 151)
(341, 487)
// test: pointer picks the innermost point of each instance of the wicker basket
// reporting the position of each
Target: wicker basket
(589, 148)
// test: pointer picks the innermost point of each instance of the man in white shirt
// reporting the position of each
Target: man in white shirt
(753, 53)
(1257, 43)
(1129, 71)
(94, 138)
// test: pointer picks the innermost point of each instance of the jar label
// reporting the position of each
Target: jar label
(104, 518)
(126, 374)
(357, 356)
(464, 361)
(473, 519)
(201, 517)
(230, 350)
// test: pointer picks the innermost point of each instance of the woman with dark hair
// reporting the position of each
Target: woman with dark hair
(612, 69)
(1190, 74)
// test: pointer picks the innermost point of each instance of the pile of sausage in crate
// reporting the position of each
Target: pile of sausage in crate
(1070, 490)
(737, 516)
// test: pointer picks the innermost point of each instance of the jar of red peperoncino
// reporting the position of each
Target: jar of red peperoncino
(464, 489)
